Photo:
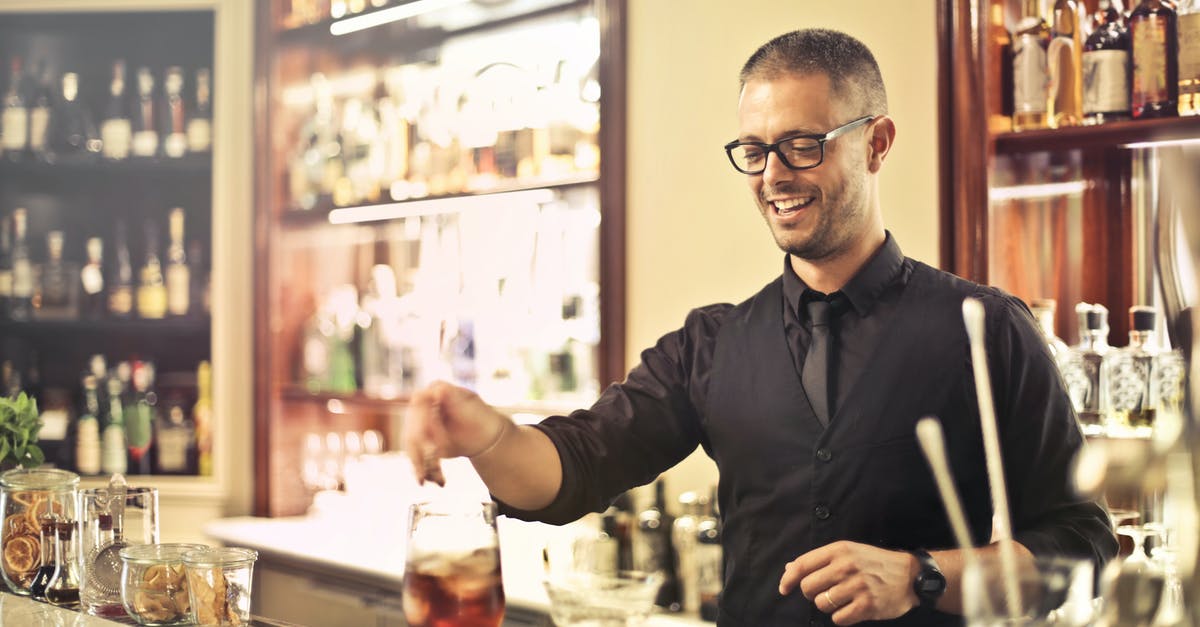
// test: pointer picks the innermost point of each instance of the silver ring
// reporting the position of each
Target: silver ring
(830, 600)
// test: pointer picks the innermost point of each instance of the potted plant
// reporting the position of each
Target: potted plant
(19, 427)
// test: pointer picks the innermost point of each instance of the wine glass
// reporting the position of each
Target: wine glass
(452, 565)
(1137, 533)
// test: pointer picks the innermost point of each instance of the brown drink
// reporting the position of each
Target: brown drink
(454, 591)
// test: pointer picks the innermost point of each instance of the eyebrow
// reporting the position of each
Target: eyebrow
(786, 134)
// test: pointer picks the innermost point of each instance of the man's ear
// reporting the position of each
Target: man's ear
(879, 142)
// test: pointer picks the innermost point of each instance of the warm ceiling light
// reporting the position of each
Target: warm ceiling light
(456, 204)
(1040, 190)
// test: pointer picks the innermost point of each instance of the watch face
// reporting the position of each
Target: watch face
(932, 585)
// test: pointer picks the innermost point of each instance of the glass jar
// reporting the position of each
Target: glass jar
(219, 582)
(111, 519)
(153, 585)
(29, 498)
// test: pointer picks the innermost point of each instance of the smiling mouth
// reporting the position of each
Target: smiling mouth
(789, 206)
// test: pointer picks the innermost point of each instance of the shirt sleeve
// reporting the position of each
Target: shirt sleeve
(1040, 439)
(638, 428)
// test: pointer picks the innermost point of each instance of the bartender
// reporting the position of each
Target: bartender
(807, 394)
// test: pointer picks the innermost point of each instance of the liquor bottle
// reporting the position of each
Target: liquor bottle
(74, 132)
(6, 269)
(14, 121)
(199, 298)
(87, 430)
(202, 418)
(683, 536)
(174, 126)
(145, 117)
(1152, 31)
(656, 553)
(91, 280)
(1064, 65)
(39, 116)
(199, 125)
(116, 129)
(20, 305)
(1126, 374)
(57, 293)
(140, 416)
(1043, 312)
(1106, 62)
(64, 589)
(179, 282)
(152, 289)
(174, 441)
(1030, 79)
(120, 285)
(1189, 57)
(710, 573)
(112, 438)
(1081, 367)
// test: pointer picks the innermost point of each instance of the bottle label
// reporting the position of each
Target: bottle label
(22, 279)
(87, 446)
(92, 279)
(152, 301)
(1149, 34)
(145, 143)
(1030, 79)
(120, 301)
(112, 450)
(1189, 63)
(6, 283)
(13, 126)
(116, 134)
(199, 135)
(1106, 81)
(178, 289)
(175, 145)
(39, 121)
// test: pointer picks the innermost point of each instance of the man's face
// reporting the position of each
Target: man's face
(817, 213)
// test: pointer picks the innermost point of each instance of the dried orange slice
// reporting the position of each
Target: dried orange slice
(18, 525)
(29, 497)
(40, 508)
(20, 554)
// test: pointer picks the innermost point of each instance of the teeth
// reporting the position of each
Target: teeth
(791, 203)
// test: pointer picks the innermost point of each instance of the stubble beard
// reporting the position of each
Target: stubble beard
(838, 220)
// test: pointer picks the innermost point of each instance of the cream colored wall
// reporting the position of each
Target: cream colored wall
(694, 236)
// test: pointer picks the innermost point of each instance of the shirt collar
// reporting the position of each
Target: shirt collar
(862, 291)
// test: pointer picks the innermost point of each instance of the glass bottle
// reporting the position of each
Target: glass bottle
(1030, 41)
(140, 417)
(198, 300)
(14, 120)
(1126, 373)
(116, 128)
(120, 291)
(6, 269)
(145, 118)
(1043, 310)
(202, 418)
(74, 131)
(57, 293)
(20, 306)
(152, 288)
(39, 116)
(1106, 63)
(64, 589)
(87, 430)
(112, 438)
(709, 562)
(683, 534)
(174, 127)
(1064, 66)
(48, 560)
(1152, 31)
(179, 285)
(199, 125)
(656, 553)
(174, 441)
(1189, 57)
(1081, 367)
(91, 280)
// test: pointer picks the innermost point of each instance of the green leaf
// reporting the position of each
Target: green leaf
(35, 455)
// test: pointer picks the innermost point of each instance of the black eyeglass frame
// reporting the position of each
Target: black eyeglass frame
(774, 147)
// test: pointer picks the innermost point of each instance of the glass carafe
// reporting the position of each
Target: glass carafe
(27, 499)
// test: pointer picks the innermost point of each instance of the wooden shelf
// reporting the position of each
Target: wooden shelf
(298, 394)
(197, 165)
(109, 326)
(1114, 134)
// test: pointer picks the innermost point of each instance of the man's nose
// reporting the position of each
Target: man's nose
(775, 169)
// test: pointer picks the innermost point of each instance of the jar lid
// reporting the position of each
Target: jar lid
(158, 553)
(38, 479)
(220, 556)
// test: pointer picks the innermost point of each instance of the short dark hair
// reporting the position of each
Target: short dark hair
(851, 68)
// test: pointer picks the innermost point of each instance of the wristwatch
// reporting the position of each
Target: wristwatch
(930, 582)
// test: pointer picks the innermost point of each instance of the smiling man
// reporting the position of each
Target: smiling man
(807, 394)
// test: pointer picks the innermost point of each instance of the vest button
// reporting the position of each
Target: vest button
(824, 455)
(821, 512)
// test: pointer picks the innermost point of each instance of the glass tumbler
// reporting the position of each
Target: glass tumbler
(452, 566)
(1053, 591)
(28, 499)
(219, 582)
(111, 519)
(153, 586)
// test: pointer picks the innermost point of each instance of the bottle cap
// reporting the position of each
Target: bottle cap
(1142, 318)
(1097, 318)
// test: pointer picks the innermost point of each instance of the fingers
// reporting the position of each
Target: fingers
(424, 436)
(805, 565)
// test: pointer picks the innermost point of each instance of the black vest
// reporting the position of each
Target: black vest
(788, 486)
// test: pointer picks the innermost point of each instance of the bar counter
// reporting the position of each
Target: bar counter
(21, 611)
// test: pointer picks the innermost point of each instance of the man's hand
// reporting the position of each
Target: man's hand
(854, 582)
(444, 420)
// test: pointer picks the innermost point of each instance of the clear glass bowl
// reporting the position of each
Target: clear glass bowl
(621, 599)
(26, 498)
(153, 584)
(219, 580)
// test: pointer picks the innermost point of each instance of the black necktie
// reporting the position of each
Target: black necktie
(815, 376)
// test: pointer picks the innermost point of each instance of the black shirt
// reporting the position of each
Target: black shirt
(728, 381)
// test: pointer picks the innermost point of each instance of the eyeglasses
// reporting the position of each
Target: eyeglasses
(801, 152)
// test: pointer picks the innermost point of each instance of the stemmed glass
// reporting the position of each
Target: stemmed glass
(452, 567)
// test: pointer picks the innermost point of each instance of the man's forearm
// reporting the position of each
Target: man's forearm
(951, 564)
(523, 469)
